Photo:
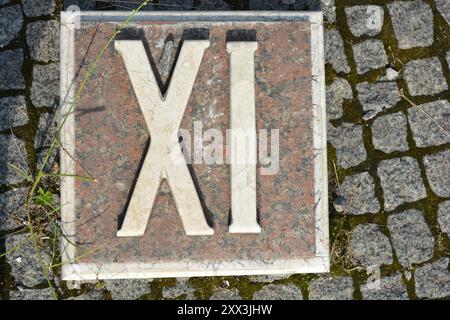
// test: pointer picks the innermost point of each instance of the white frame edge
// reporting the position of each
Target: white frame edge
(72, 271)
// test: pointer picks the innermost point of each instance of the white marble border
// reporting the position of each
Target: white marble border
(83, 271)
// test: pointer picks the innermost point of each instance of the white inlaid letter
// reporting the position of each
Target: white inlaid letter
(242, 151)
(164, 158)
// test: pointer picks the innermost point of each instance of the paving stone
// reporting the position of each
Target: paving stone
(46, 130)
(389, 133)
(326, 288)
(348, 141)
(377, 97)
(412, 22)
(3, 2)
(11, 70)
(424, 77)
(24, 263)
(369, 54)
(127, 289)
(401, 182)
(444, 216)
(12, 152)
(334, 49)
(433, 280)
(182, 288)
(391, 288)
(32, 294)
(43, 40)
(329, 10)
(365, 20)
(45, 87)
(369, 246)
(225, 294)
(430, 123)
(336, 92)
(13, 112)
(278, 292)
(411, 238)
(82, 4)
(356, 195)
(11, 21)
(12, 209)
(36, 8)
(444, 8)
(437, 168)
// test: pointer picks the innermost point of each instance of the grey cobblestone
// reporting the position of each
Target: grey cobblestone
(369, 246)
(11, 70)
(433, 280)
(36, 8)
(437, 168)
(128, 289)
(10, 24)
(45, 87)
(412, 22)
(182, 288)
(225, 294)
(356, 195)
(32, 294)
(24, 264)
(339, 90)
(3, 2)
(401, 182)
(12, 211)
(278, 292)
(348, 142)
(329, 10)
(391, 288)
(12, 152)
(327, 288)
(377, 97)
(424, 77)
(46, 130)
(82, 4)
(213, 5)
(365, 20)
(13, 112)
(444, 216)
(389, 133)
(43, 40)
(411, 237)
(52, 160)
(369, 55)
(174, 5)
(428, 123)
(444, 8)
(91, 294)
(334, 50)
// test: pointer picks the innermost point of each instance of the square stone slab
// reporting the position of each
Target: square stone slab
(107, 137)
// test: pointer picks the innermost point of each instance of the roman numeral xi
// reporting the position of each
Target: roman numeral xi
(163, 115)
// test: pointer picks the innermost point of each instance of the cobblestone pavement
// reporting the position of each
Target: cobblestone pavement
(389, 152)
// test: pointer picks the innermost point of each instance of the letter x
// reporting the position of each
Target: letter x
(164, 158)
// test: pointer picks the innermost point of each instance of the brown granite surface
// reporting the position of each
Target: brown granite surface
(111, 140)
